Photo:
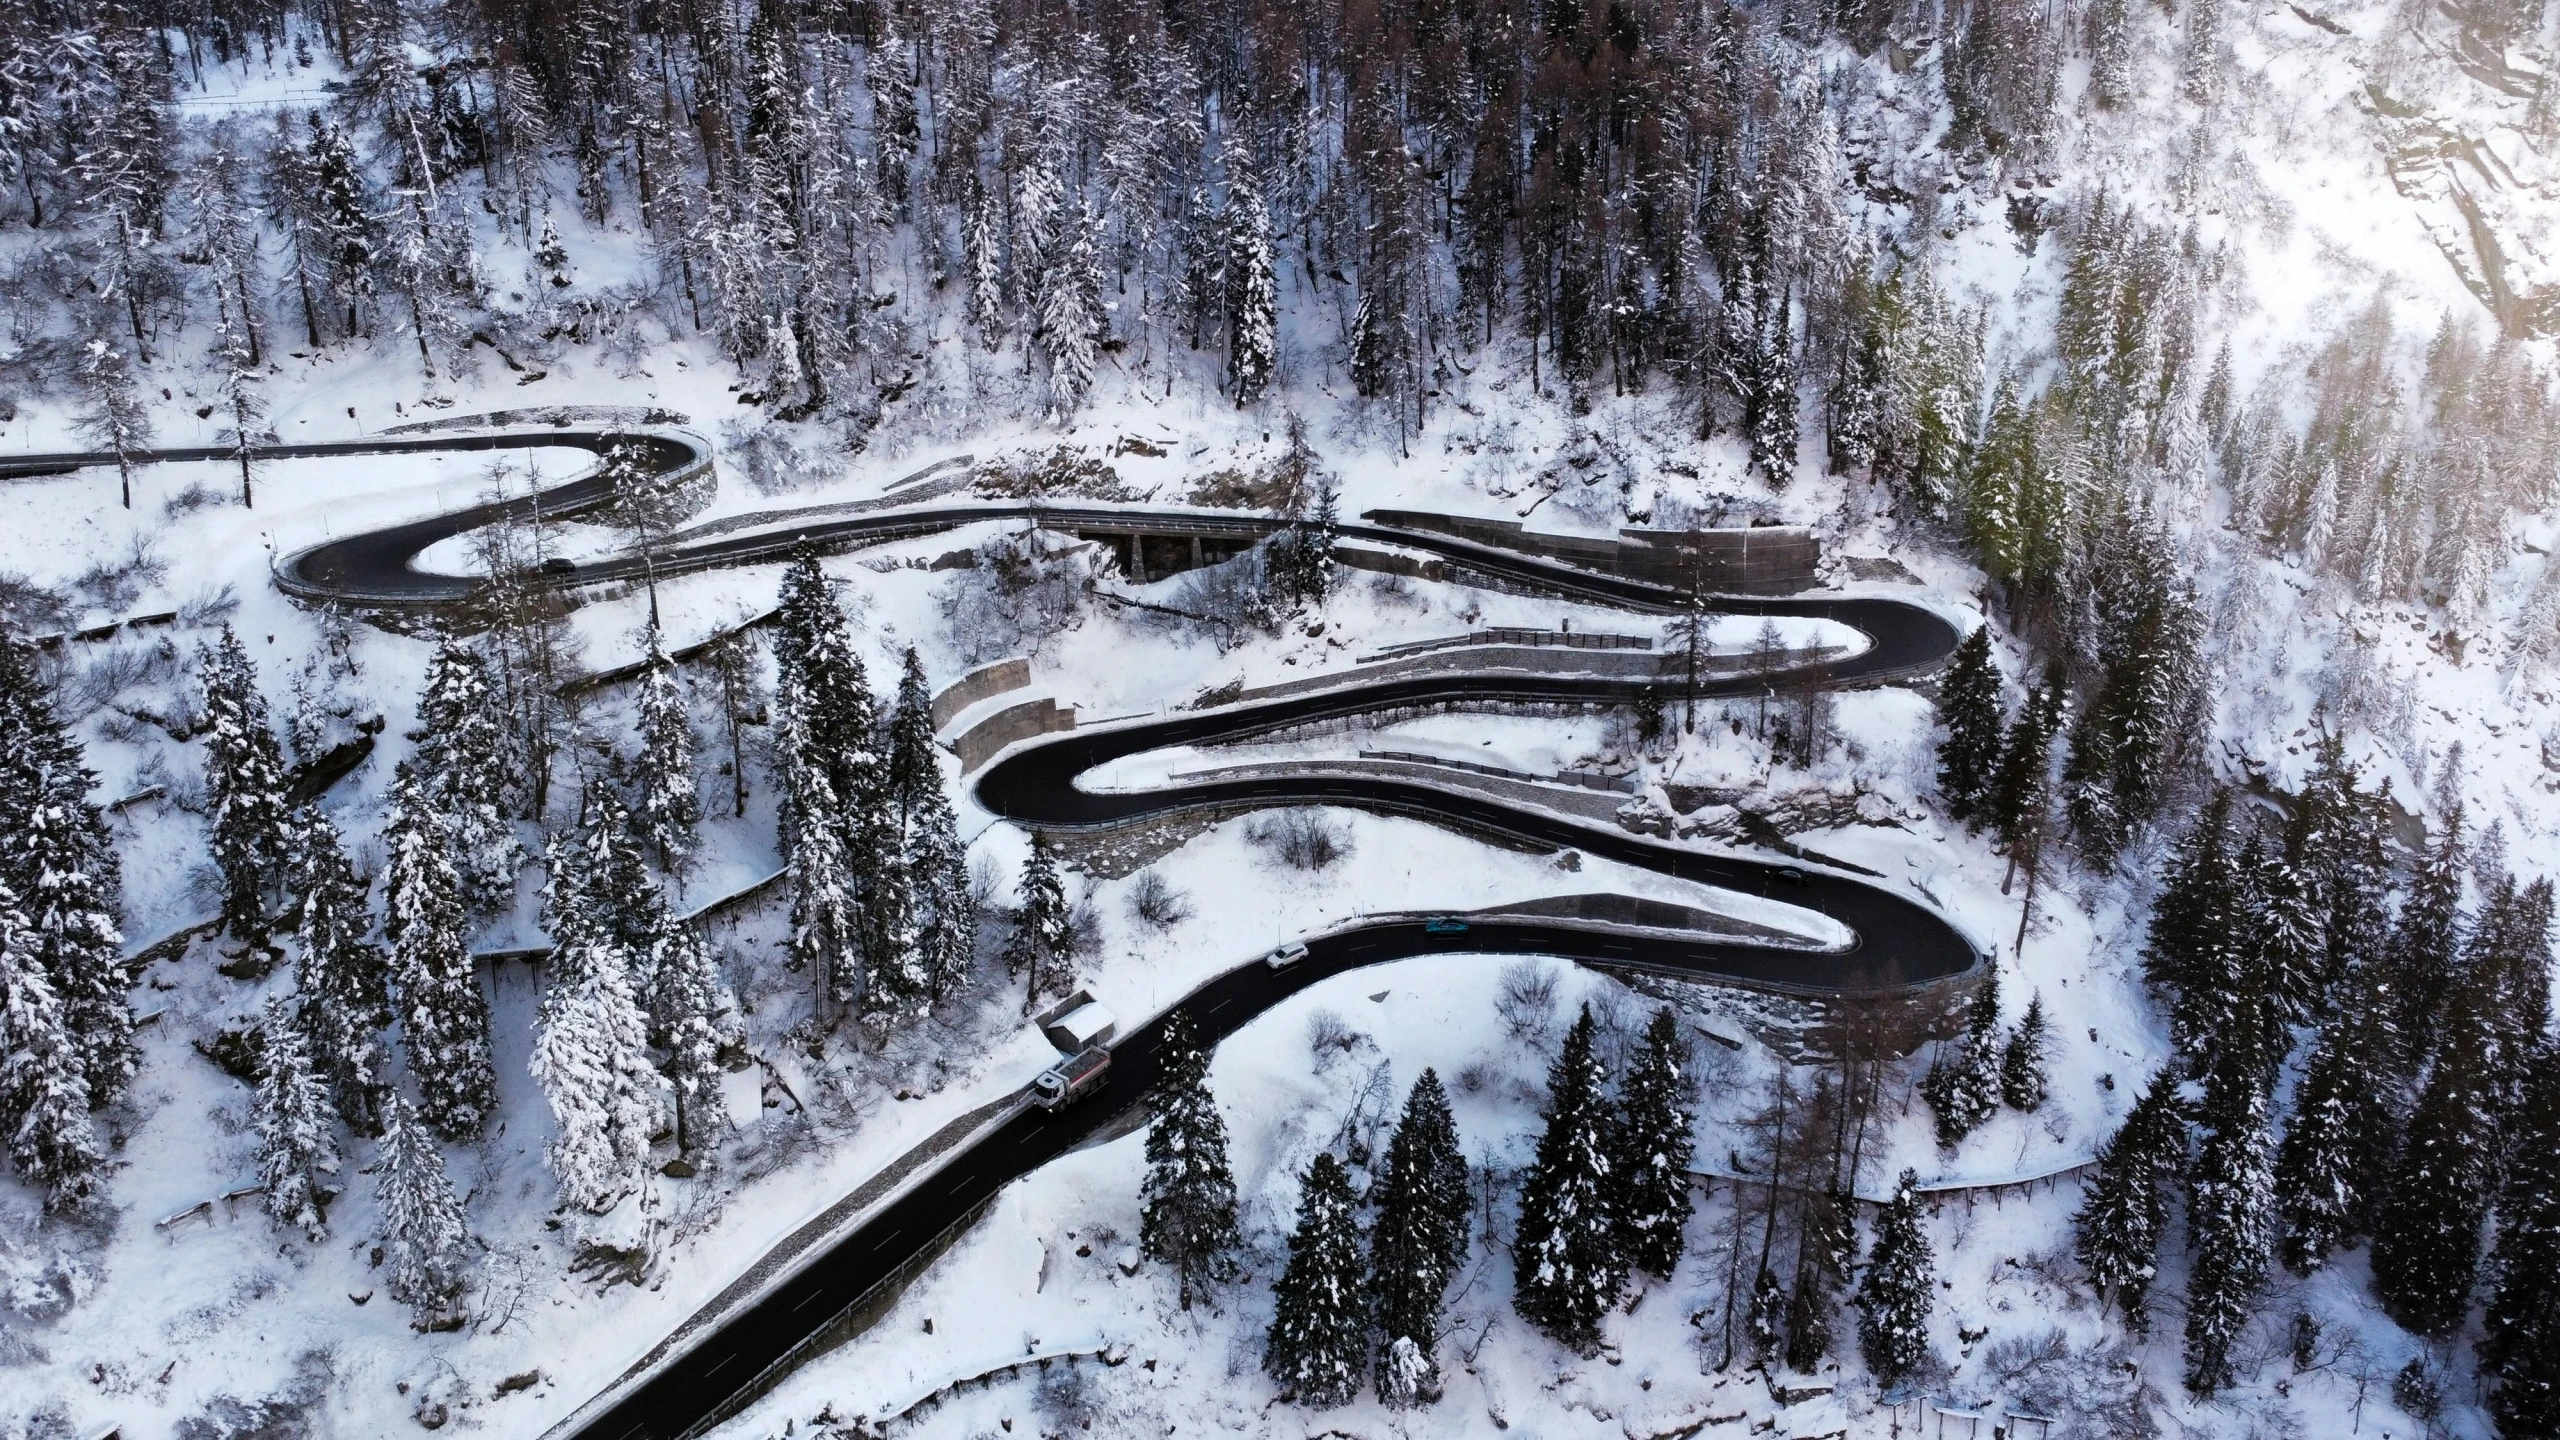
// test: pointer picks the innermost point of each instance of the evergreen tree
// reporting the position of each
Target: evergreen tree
(1828, 1246)
(1252, 286)
(1041, 947)
(112, 415)
(2520, 1351)
(590, 1053)
(2123, 1211)
(1318, 1343)
(2425, 946)
(1190, 1193)
(2022, 1080)
(1073, 323)
(693, 1018)
(1969, 708)
(426, 1238)
(935, 859)
(2230, 1219)
(345, 982)
(824, 939)
(444, 1014)
(1650, 1151)
(2141, 720)
(1418, 1243)
(2021, 789)
(1568, 1258)
(1894, 1296)
(56, 855)
(464, 773)
(244, 775)
(2195, 950)
(2337, 1147)
(297, 1127)
(44, 1090)
(1963, 1088)
(669, 806)
(2426, 1236)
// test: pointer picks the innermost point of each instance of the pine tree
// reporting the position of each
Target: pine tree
(1568, 1259)
(112, 415)
(297, 1126)
(2021, 789)
(426, 1238)
(1253, 290)
(669, 806)
(2230, 1219)
(56, 855)
(244, 775)
(590, 1053)
(444, 1014)
(1319, 1339)
(1969, 708)
(1072, 321)
(2123, 1211)
(2337, 1147)
(1963, 1088)
(1894, 1296)
(345, 982)
(1419, 1241)
(2520, 1349)
(2195, 948)
(1650, 1151)
(935, 859)
(2426, 1237)
(1190, 1193)
(2425, 946)
(1041, 947)
(693, 1018)
(2022, 1080)
(464, 772)
(44, 1090)
(824, 939)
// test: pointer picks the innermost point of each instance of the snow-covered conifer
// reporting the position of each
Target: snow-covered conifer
(1253, 292)
(2124, 1210)
(2520, 1349)
(464, 772)
(426, 1240)
(2022, 1080)
(590, 1053)
(1072, 321)
(1189, 1221)
(1568, 1259)
(112, 415)
(1041, 946)
(444, 1014)
(57, 857)
(1420, 1237)
(245, 778)
(936, 863)
(2337, 1146)
(668, 804)
(2022, 787)
(1969, 708)
(694, 1018)
(1650, 1150)
(345, 982)
(1963, 1085)
(2426, 1236)
(2230, 1218)
(824, 938)
(1895, 1294)
(297, 1126)
(1318, 1344)
(44, 1090)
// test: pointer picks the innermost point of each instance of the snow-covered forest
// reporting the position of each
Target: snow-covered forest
(428, 1016)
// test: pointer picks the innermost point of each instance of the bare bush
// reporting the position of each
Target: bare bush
(32, 609)
(1233, 596)
(1301, 839)
(195, 497)
(1527, 1001)
(1155, 902)
(1020, 592)
(114, 585)
(1329, 1035)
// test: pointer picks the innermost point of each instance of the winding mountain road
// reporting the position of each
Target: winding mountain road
(716, 1367)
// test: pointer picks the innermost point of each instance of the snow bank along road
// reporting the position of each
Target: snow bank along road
(1898, 943)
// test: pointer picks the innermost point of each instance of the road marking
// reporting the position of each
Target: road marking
(805, 1301)
(725, 1359)
(884, 1241)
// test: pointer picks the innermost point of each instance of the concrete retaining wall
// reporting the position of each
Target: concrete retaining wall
(1044, 716)
(979, 684)
(1769, 560)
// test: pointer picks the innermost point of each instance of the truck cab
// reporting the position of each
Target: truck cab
(1071, 1079)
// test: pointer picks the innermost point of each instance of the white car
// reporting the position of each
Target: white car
(1287, 955)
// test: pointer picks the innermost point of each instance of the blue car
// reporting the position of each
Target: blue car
(1444, 925)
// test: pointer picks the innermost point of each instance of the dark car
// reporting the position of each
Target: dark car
(557, 566)
(1792, 874)
(1444, 925)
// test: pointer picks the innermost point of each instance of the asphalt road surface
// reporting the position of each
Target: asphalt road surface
(1898, 943)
